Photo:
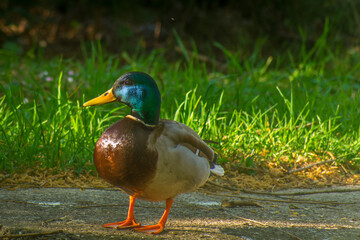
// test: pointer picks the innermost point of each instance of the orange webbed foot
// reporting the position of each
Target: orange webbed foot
(130, 220)
(157, 228)
(128, 223)
(150, 229)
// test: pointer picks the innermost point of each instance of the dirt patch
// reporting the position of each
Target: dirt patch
(238, 177)
(79, 214)
(48, 204)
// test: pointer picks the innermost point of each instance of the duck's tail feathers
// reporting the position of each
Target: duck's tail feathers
(218, 170)
(214, 168)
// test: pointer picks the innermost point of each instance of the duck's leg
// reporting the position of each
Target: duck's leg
(130, 220)
(157, 228)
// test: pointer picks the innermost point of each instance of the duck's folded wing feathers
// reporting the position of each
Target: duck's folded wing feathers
(182, 134)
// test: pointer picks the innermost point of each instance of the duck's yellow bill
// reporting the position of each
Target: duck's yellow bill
(106, 97)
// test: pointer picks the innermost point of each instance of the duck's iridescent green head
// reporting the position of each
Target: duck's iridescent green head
(137, 90)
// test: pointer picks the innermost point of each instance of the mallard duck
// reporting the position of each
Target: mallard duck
(146, 157)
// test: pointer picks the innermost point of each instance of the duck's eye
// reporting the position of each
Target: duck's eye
(126, 82)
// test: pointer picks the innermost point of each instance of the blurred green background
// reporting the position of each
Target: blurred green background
(274, 82)
(60, 26)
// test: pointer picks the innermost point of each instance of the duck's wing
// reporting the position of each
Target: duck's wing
(181, 134)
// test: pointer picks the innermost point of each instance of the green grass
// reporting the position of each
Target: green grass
(277, 107)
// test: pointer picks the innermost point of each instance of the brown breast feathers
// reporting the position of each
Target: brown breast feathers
(122, 158)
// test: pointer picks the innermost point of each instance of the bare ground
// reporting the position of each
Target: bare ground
(79, 214)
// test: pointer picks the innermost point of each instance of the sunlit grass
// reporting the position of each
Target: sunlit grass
(274, 106)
